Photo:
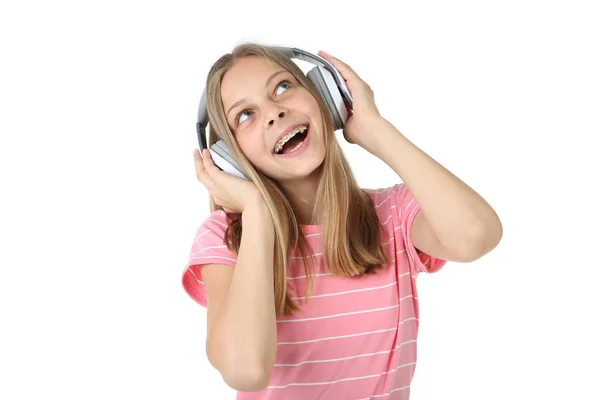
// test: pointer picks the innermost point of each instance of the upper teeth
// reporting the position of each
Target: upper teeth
(287, 137)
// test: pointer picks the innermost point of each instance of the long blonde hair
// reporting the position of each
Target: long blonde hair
(350, 228)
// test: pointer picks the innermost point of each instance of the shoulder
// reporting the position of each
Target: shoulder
(212, 227)
(387, 198)
(217, 220)
(210, 238)
(208, 247)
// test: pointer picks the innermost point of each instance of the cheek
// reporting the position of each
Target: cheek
(310, 104)
(253, 146)
(311, 108)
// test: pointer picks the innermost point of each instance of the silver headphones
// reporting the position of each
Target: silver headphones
(327, 80)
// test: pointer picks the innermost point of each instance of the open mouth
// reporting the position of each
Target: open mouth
(293, 142)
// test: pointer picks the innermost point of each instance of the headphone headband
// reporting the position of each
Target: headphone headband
(291, 52)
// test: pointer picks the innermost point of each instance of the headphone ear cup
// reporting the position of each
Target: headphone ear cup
(223, 159)
(329, 92)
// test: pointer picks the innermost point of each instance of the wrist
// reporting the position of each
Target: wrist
(259, 221)
(382, 132)
(256, 209)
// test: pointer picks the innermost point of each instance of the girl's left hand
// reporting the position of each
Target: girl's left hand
(364, 112)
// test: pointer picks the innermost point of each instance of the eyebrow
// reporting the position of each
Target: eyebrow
(237, 103)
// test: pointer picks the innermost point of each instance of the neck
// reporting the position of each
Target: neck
(302, 193)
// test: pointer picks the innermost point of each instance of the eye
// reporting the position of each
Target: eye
(237, 118)
(284, 82)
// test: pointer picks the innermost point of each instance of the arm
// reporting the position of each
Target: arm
(455, 222)
(464, 225)
(242, 332)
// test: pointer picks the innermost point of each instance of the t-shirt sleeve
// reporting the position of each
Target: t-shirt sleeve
(208, 247)
(406, 211)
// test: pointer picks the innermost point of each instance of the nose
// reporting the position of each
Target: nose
(280, 114)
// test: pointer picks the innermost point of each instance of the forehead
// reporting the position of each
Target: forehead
(246, 76)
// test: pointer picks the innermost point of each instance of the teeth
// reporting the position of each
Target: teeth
(287, 137)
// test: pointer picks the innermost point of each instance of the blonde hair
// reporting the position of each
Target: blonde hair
(350, 228)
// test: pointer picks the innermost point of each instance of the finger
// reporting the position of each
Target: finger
(201, 172)
(346, 71)
(209, 166)
(198, 164)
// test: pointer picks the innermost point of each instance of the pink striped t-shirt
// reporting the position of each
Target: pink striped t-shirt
(357, 337)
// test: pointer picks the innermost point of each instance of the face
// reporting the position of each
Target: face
(262, 102)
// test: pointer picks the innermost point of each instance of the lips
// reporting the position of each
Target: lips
(288, 130)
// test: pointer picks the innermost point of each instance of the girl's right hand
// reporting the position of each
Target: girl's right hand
(230, 192)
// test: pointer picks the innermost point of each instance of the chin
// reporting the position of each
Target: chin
(308, 169)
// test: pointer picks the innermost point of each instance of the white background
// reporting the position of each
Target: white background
(100, 203)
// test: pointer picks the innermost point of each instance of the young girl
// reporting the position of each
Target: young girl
(310, 281)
